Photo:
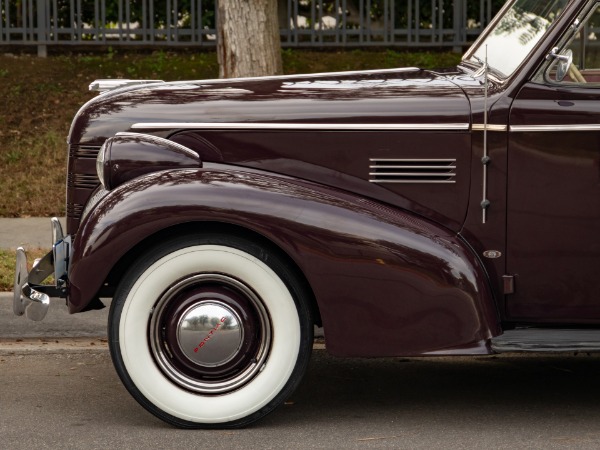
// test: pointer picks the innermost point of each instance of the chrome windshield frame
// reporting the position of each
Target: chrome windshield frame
(469, 60)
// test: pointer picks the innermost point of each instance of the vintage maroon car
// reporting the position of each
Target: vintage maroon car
(407, 211)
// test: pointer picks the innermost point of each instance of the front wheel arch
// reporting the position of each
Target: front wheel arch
(199, 228)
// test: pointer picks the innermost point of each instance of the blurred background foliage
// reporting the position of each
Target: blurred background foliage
(165, 12)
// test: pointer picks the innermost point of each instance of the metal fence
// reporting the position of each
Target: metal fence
(310, 23)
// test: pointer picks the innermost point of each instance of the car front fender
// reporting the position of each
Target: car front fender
(386, 282)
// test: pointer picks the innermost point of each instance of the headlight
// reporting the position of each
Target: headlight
(130, 155)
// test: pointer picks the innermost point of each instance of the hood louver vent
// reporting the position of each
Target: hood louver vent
(412, 170)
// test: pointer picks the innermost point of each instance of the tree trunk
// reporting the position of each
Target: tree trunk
(248, 42)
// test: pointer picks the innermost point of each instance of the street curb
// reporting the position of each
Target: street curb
(18, 347)
(12, 347)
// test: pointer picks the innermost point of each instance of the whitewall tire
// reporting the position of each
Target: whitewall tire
(210, 331)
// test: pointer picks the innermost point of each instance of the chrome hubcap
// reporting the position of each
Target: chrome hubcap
(210, 333)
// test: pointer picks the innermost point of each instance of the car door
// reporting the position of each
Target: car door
(553, 193)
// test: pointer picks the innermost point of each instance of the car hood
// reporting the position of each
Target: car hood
(398, 96)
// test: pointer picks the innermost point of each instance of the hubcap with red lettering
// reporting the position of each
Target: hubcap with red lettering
(210, 333)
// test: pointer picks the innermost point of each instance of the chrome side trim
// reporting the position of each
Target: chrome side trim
(490, 127)
(301, 76)
(414, 181)
(536, 128)
(315, 75)
(412, 174)
(411, 160)
(301, 126)
(104, 85)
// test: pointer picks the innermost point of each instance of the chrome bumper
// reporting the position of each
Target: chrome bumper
(32, 298)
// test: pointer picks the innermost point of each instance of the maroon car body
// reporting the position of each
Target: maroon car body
(423, 212)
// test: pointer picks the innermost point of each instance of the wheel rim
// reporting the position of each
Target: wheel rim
(210, 333)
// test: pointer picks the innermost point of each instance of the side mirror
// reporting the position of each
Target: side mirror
(565, 59)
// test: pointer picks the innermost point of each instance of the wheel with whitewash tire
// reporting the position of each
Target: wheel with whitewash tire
(210, 331)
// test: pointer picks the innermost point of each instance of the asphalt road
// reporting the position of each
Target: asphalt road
(58, 389)
(61, 396)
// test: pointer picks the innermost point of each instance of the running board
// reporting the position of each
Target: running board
(547, 340)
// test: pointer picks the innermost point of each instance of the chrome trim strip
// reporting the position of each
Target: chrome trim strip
(103, 85)
(536, 128)
(412, 174)
(315, 75)
(414, 181)
(490, 127)
(401, 160)
(301, 126)
(159, 141)
(412, 167)
(309, 76)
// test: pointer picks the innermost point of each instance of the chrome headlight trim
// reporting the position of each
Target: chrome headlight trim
(101, 161)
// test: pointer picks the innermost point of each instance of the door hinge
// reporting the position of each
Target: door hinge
(508, 284)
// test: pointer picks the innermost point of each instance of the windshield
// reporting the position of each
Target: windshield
(516, 33)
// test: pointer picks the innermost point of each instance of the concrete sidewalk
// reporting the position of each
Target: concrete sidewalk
(31, 232)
